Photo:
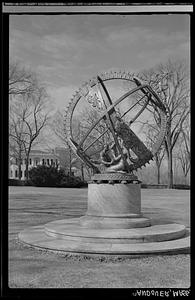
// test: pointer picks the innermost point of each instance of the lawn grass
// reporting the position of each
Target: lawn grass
(32, 268)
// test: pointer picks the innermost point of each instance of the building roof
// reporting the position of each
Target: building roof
(55, 153)
(38, 151)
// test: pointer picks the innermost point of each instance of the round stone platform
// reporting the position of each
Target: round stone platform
(113, 224)
(70, 230)
(36, 237)
(68, 236)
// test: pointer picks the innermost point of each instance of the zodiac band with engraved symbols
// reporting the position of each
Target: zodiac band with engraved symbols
(116, 155)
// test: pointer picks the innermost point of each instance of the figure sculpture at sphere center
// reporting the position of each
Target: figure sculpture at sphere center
(111, 162)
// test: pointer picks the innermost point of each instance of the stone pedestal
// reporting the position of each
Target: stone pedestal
(114, 206)
(114, 200)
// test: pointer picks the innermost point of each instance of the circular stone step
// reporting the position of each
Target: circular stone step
(36, 237)
(101, 222)
(72, 231)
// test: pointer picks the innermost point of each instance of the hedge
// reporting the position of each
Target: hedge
(165, 186)
(49, 176)
(15, 182)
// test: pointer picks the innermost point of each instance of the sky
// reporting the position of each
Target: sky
(67, 50)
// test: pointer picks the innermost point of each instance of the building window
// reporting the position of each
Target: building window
(56, 162)
(20, 173)
(30, 161)
(43, 161)
(11, 173)
(25, 173)
(36, 162)
(16, 173)
(48, 161)
(52, 162)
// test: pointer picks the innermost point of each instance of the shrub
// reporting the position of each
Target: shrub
(72, 181)
(153, 186)
(28, 182)
(15, 182)
(164, 186)
(45, 176)
(52, 177)
(181, 186)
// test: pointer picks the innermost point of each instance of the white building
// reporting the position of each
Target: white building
(37, 157)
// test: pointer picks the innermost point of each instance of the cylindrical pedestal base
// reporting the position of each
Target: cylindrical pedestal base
(114, 206)
(114, 200)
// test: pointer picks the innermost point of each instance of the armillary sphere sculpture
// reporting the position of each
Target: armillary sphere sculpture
(102, 129)
(115, 156)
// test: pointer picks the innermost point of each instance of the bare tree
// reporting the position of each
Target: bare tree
(16, 140)
(35, 116)
(57, 126)
(21, 80)
(159, 155)
(29, 113)
(184, 153)
(171, 82)
(70, 159)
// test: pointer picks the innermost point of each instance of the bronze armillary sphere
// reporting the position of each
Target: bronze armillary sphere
(109, 149)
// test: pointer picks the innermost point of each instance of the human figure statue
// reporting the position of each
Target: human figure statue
(110, 161)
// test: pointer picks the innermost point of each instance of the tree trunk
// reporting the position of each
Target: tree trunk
(19, 169)
(158, 174)
(27, 175)
(169, 151)
(158, 163)
(170, 169)
(27, 165)
(19, 164)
